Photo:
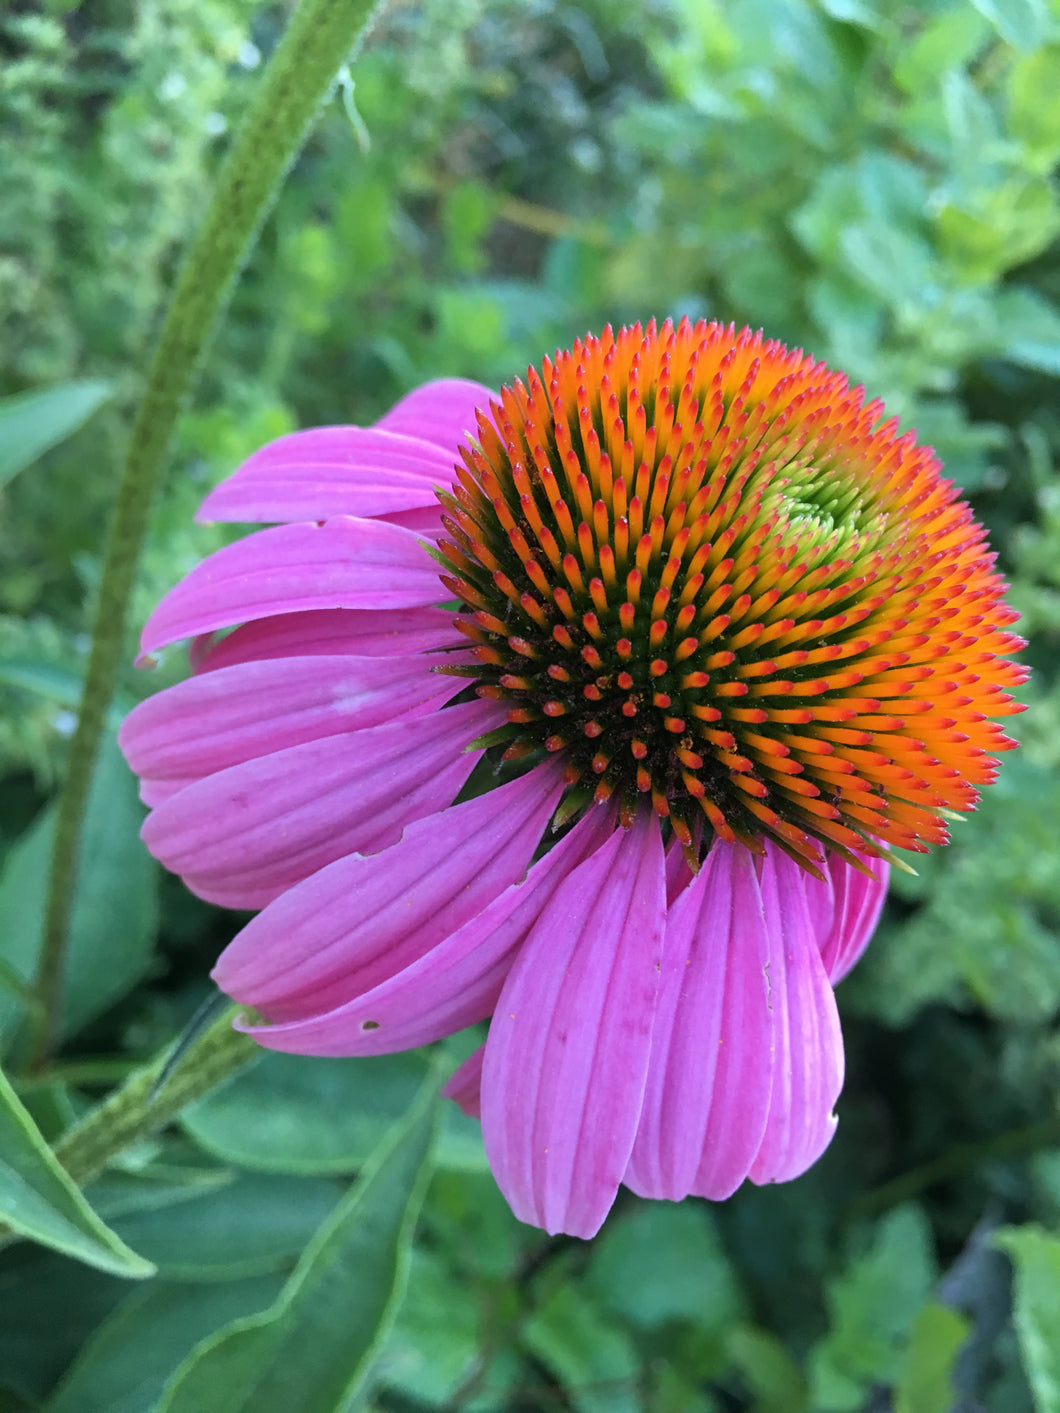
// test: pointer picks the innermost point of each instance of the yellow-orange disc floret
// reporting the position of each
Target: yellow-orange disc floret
(698, 566)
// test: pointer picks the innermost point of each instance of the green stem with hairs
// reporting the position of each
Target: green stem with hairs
(151, 1096)
(143, 1104)
(317, 43)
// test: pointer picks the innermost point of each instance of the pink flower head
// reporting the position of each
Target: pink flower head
(594, 708)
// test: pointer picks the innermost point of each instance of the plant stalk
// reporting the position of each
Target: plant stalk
(317, 43)
(146, 1101)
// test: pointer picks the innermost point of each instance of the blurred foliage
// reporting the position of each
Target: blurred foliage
(871, 179)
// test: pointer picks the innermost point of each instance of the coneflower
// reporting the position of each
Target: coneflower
(603, 720)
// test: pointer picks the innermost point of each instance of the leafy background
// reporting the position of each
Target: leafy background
(870, 179)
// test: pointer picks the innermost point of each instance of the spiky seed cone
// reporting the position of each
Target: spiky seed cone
(700, 567)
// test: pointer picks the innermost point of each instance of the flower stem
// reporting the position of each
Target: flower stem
(143, 1104)
(149, 1098)
(962, 1158)
(316, 44)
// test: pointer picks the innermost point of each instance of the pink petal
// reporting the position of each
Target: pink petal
(678, 874)
(362, 632)
(568, 1048)
(390, 988)
(711, 1069)
(352, 925)
(442, 412)
(363, 471)
(344, 563)
(153, 792)
(808, 1068)
(464, 1085)
(423, 520)
(858, 904)
(256, 829)
(223, 718)
(820, 899)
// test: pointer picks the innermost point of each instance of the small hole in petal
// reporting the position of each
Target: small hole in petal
(369, 1025)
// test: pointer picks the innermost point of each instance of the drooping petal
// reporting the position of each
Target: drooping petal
(344, 563)
(442, 412)
(858, 904)
(464, 1085)
(363, 471)
(362, 632)
(808, 1068)
(711, 1068)
(392, 989)
(567, 1054)
(354, 924)
(223, 718)
(253, 830)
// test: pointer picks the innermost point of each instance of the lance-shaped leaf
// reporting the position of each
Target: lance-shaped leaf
(313, 1349)
(40, 1201)
(33, 422)
(115, 911)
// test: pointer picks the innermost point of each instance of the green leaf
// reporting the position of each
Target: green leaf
(314, 1348)
(115, 909)
(304, 1115)
(57, 684)
(436, 1336)
(1021, 23)
(1034, 104)
(116, 1194)
(246, 1228)
(984, 931)
(950, 38)
(664, 1262)
(124, 1366)
(766, 1366)
(50, 1307)
(925, 1385)
(873, 1305)
(39, 1201)
(1036, 1257)
(592, 1356)
(33, 422)
(470, 1216)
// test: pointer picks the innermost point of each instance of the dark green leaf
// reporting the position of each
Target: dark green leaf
(314, 1348)
(246, 1228)
(298, 1114)
(114, 918)
(124, 1366)
(50, 1306)
(593, 1357)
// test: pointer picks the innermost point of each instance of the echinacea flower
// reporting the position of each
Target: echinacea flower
(595, 708)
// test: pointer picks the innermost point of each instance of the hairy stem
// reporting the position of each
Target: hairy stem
(316, 45)
(143, 1104)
